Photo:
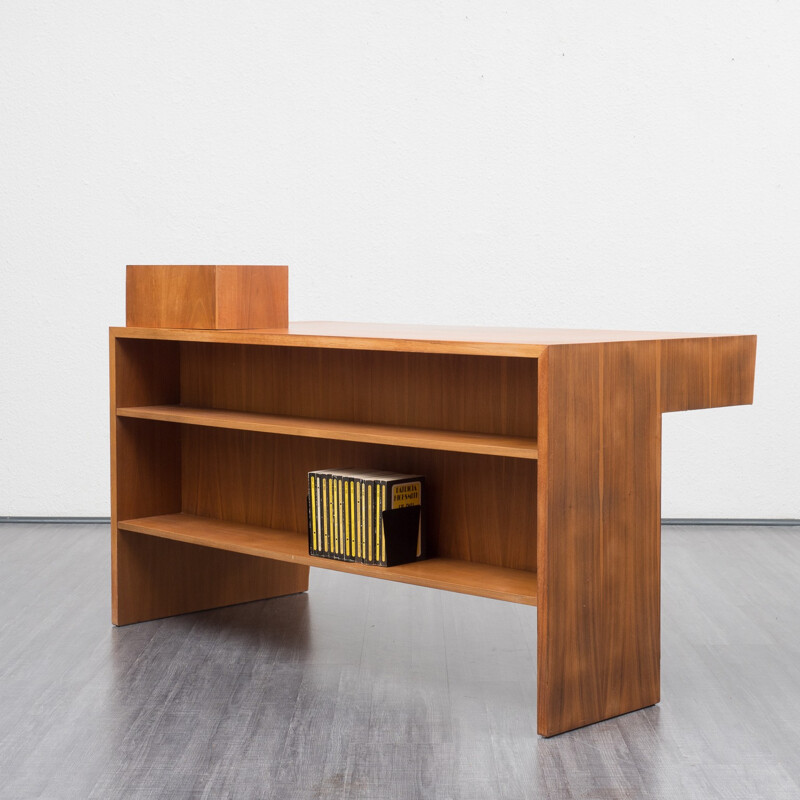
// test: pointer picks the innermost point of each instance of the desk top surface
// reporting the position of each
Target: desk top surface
(390, 336)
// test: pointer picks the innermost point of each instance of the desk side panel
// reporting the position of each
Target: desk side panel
(599, 533)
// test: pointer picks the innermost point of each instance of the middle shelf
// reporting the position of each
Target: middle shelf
(455, 575)
(425, 438)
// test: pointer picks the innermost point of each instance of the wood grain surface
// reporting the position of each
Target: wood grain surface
(448, 392)
(159, 577)
(401, 435)
(252, 296)
(376, 336)
(453, 575)
(174, 296)
(207, 296)
(707, 373)
(599, 529)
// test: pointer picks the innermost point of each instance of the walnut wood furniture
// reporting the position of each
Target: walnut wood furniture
(210, 296)
(542, 451)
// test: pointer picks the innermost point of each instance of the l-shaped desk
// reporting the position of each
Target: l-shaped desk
(541, 449)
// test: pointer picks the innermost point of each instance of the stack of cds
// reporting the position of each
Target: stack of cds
(366, 516)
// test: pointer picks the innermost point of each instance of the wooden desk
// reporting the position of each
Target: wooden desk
(542, 451)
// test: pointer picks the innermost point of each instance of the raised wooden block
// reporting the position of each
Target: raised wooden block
(209, 297)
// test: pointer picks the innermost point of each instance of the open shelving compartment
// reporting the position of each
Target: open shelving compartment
(214, 441)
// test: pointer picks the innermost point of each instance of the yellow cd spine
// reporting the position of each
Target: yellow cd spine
(313, 514)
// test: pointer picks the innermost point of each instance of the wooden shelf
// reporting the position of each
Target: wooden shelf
(514, 585)
(453, 441)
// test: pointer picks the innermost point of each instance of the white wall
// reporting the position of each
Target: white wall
(570, 164)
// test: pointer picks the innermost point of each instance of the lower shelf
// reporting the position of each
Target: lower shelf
(500, 583)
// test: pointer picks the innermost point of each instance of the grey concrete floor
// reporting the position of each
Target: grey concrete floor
(371, 689)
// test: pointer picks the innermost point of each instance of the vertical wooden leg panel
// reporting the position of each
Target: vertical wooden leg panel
(599, 533)
(158, 578)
